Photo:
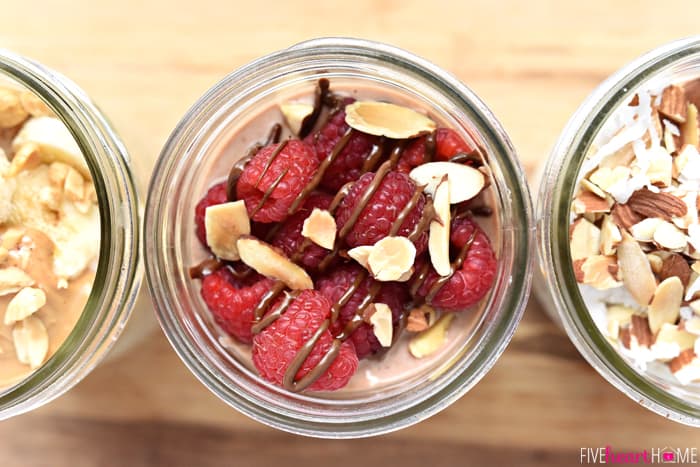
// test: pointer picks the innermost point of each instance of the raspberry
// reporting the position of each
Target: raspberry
(347, 166)
(335, 285)
(296, 158)
(376, 219)
(473, 280)
(215, 195)
(232, 307)
(277, 345)
(448, 143)
(288, 238)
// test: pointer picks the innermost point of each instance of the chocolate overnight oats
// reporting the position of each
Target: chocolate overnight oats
(349, 243)
(635, 234)
(49, 233)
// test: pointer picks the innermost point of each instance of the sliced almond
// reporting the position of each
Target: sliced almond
(11, 111)
(660, 171)
(585, 239)
(605, 177)
(26, 158)
(28, 301)
(439, 238)
(671, 334)
(637, 275)
(644, 231)
(294, 114)
(432, 339)
(385, 119)
(587, 202)
(225, 224)
(668, 236)
(270, 262)
(465, 182)
(391, 258)
(610, 236)
(31, 341)
(58, 171)
(666, 305)
(74, 185)
(689, 129)
(50, 196)
(597, 272)
(13, 280)
(673, 103)
(640, 330)
(361, 254)
(692, 325)
(320, 228)
(382, 326)
(618, 316)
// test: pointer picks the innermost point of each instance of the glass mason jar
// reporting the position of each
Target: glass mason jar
(555, 283)
(118, 270)
(182, 175)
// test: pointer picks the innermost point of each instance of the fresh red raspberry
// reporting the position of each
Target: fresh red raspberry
(233, 308)
(376, 219)
(277, 345)
(337, 283)
(288, 238)
(472, 281)
(347, 166)
(215, 195)
(448, 143)
(297, 158)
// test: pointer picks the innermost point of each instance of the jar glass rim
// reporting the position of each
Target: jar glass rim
(553, 218)
(118, 273)
(518, 197)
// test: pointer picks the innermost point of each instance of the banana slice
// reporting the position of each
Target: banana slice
(55, 141)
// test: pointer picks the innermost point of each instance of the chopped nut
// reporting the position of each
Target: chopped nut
(689, 129)
(33, 105)
(606, 177)
(391, 258)
(3, 254)
(382, 326)
(11, 237)
(74, 185)
(50, 196)
(596, 272)
(361, 254)
(644, 231)
(624, 216)
(272, 263)
(668, 236)
(294, 114)
(686, 366)
(28, 301)
(649, 204)
(384, 119)
(418, 321)
(11, 111)
(593, 188)
(655, 261)
(429, 341)
(671, 334)
(586, 201)
(618, 316)
(320, 228)
(673, 103)
(610, 236)
(225, 224)
(660, 171)
(692, 325)
(58, 171)
(585, 239)
(465, 181)
(640, 330)
(675, 265)
(13, 280)
(26, 158)
(31, 341)
(439, 238)
(666, 304)
(636, 271)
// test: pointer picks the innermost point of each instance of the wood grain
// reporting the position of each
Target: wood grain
(532, 62)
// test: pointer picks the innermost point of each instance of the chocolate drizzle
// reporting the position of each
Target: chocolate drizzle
(205, 268)
(320, 96)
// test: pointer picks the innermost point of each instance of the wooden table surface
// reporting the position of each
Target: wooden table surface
(533, 62)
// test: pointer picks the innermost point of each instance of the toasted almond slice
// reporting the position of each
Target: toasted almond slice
(689, 129)
(671, 334)
(606, 177)
(320, 228)
(668, 236)
(225, 224)
(74, 185)
(636, 271)
(644, 231)
(610, 236)
(361, 254)
(270, 262)
(666, 305)
(13, 280)
(294, 114)
(618, 316)
(391, 258)
(596, 272)
(11, 111)
(660, 169)
(58, 171)
(26, 158)
(439, 239)
(692, 325)
(465, 182)
(28, 301)
(593, 188)
(429, 341)
(382, 326)
(585, 239)
(31, 341)
(587, 202)
(384, 119)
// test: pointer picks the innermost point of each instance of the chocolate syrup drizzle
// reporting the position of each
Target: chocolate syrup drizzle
(263, 318)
